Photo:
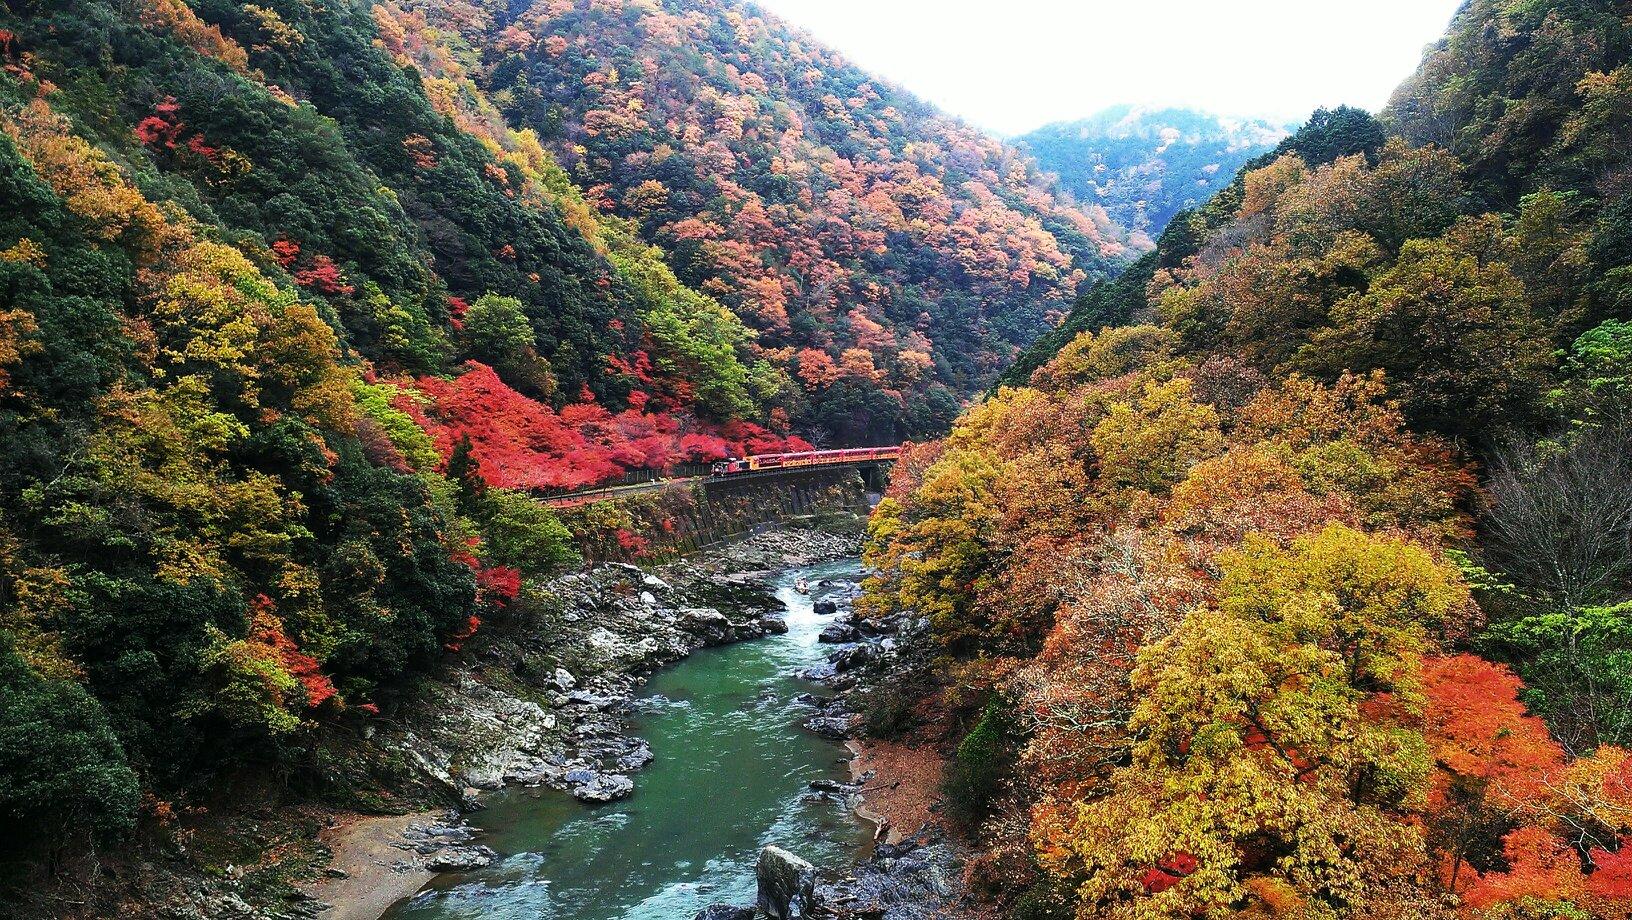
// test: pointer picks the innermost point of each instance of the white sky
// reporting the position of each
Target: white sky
(1013, 65)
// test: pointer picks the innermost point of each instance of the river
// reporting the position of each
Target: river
(731, 774)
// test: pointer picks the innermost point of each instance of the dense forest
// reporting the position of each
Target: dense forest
(294, 316)
(1143, 165)
(1284, 567)
(1293, 575)
(878, 247)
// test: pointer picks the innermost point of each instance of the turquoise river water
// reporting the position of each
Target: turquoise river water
(731, 774)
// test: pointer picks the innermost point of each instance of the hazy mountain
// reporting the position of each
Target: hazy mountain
(1143, 165)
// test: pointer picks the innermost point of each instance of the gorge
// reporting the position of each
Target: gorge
(732, 772)
(409, 415)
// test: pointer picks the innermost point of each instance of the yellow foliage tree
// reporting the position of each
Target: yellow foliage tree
(1277, 760)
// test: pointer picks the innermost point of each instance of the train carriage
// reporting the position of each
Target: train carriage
(735, 465)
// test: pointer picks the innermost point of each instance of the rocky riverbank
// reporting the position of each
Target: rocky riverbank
(914, 871)
(537, 697)
(544, 703)
(546, 706)
(541, 700)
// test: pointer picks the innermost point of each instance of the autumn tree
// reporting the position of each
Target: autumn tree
(1276, 760)
(933, 552)
(1150, 444)
(499, 334)
(1450, 325)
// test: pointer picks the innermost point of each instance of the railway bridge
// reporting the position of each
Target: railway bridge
(872, 463)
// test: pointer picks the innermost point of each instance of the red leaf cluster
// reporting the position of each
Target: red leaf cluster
(1168, 872)
(522, 443)
(165, 130)
(633, 543)
(498, 585)
(1478, 728)
(286, 252)
(267, 629)
(323, 276)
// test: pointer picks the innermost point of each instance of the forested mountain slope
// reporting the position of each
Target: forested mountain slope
(279, 340)
(293, 311)
(1143, 165)
(879, 247)
(1293, 576)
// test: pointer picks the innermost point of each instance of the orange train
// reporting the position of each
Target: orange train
(755, 462)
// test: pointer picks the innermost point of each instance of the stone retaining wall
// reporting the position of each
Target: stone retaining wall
(693, 515)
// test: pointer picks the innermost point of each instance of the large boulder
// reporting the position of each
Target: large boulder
(461, 859)
(594, 786)
(838, 631)
(833, 728)
(853, 657)
(787, 884)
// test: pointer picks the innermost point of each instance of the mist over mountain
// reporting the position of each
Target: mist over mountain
(1145, 164)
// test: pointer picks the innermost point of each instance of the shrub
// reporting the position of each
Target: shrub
(61, 768)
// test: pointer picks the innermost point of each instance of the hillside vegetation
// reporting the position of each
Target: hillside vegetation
(1143, 165)
(294, 314)
(298, 308)
(880, 248)
(1293, 576)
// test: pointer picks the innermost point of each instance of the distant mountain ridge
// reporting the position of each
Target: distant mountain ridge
(1144, 164)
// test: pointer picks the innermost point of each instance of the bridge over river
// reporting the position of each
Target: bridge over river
(873, 463)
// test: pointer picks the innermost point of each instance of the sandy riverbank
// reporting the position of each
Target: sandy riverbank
(906, 783)
(379, 873)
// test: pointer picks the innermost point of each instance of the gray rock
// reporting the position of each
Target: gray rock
(819, 673)
(834, 728)
(914, 880)
(636, 757)
(852, 658)
(702, 618)
(592, 786)
(825, 607)
(586, 698)
(531, 775)
(839, 631)
(786, 883)
(461, 859)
